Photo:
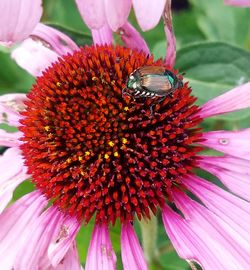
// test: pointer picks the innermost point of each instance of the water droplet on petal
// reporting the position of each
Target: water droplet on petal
(223, 141)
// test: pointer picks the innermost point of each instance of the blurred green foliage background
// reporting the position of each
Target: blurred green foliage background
(213, 42)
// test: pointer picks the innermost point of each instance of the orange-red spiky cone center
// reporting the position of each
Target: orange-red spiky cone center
(94, 151)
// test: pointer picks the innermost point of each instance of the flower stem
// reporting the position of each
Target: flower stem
(149, 237)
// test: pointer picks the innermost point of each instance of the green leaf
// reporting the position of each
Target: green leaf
(213, 68)
(186, 29)
(79, 37)
(219, 22)
(171, 261)
(63, 13)
(13, 78)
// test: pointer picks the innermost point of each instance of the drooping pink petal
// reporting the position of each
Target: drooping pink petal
(18, 19)
(168, 27)
(117, 12)
(132, 38)
(148, 12)
(70, 260)
(102, 35)
(15, 224)
(101, 255)
(186, 242)
(43, 230)
(10, 139)
(208, 227)
(233, 100)
(240, 3)
(132, 253)
(234, 173)
(34, 56)
(54, 39)
(13, 172)
(10, 106)
(92, 12)
(233, 212)
(60, 246)
(234, 143)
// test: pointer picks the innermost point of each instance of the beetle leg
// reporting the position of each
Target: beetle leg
(160, 100)
(151, 109)
(124, 92)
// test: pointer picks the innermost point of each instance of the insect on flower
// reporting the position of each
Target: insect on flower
(152, 81)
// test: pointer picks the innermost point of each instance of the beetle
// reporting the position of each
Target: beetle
(152, 81)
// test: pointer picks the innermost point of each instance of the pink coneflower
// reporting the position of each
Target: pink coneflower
(97, 154)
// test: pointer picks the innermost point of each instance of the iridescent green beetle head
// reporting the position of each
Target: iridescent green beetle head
(133, 81)
(174, 80)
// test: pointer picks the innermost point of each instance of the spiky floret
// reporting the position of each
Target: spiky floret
(95, 151)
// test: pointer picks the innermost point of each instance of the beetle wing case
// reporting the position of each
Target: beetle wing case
(156, 83)
(146, 70)
(153, 78)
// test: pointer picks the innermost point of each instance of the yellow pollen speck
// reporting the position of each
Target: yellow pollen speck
(94, 79)
(80, 158)
(111, 144)
(126, 108)
(106, 156)
(82, 173)
(116, 154)
(50, 135)
(46, 128)
(58, 84)
(124, 140)
(68, 160)
(87, 153)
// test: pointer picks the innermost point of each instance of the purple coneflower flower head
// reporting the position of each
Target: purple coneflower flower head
(96, 153)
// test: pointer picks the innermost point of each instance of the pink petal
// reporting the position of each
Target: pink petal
(15, 224)
(240, 3)
(70, 261)
(34, 251)
(233, 100)
(148, 12)
(117, 12)
(100, 254)
(92, 12)
(13, 172)
(228, 163)
(132, 38)
(10, 139)
(234, 173)
(10, 106)
(102, 35)
(187, 243)
(54, 39)
(215, 239)
(233, 212)
(60, 246)
(34, 56)
(132, 253)
(168, 27)
(18, 19)
(234, 143)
